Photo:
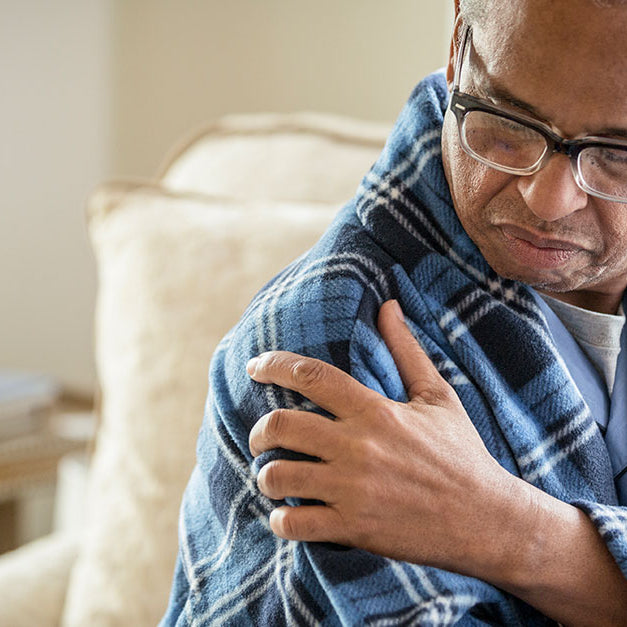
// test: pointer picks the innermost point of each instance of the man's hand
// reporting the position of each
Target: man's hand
(415, 482)
(410, 481)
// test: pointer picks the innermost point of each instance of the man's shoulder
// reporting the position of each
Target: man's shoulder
(314, 303)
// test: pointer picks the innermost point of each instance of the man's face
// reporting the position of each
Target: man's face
(565, 63)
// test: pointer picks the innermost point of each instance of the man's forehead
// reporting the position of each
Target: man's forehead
(565, 58)
(551, 27)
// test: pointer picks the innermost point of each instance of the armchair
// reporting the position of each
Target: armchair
(178, 257)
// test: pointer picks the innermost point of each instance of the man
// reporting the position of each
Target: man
(477, 474)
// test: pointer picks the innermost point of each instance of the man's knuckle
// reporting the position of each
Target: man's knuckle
(288, 526)
(275, 426)
(308, 373)
(366, 450)
(430, 396)
(270, 362)
(299, 480)
(437, 394)
(384, 412)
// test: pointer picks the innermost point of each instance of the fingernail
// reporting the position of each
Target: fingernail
(398, 311)
(251, 366)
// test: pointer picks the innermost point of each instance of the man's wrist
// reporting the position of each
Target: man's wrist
(509, 540)
(536, 529)
(528, 523)
(546, 554)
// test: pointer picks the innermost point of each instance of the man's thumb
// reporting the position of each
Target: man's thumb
(420, 377)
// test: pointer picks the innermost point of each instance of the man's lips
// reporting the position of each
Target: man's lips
(536, 251)
(539, 241)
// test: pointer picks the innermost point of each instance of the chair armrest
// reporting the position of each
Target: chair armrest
(33, 581)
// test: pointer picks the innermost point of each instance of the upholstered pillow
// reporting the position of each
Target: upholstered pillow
(175, 272)
(29, 600)
(292, 157)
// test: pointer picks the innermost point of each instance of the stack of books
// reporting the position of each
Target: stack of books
(26, 401)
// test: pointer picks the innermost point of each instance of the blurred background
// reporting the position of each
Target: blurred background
(94, 90)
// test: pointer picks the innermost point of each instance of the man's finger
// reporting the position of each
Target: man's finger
(307, 523)
(283, 478)
(420, 377)
(325, 385)
(298, 431)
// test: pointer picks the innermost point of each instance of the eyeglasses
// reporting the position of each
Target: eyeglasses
(520, 145)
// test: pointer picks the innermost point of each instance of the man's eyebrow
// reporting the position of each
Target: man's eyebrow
(502, 95)
(614, 132)
(491, 89)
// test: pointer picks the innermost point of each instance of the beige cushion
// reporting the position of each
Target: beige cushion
(175, 272)
(303, 156)
(33, 581)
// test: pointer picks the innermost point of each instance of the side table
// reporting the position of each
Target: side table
(27, 462)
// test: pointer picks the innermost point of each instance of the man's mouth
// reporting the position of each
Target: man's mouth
(536, 250)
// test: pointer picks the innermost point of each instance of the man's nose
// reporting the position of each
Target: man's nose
(552, 192)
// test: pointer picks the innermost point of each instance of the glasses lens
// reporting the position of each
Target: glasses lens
(604, 170)
(502, 142)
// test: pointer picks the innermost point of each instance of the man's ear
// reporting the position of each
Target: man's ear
(454, 48)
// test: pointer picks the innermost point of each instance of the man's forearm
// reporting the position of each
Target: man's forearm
(551, 556)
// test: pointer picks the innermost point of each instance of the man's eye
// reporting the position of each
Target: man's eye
(512, 127)
(611, 161)
(515, 132)
(616, 156)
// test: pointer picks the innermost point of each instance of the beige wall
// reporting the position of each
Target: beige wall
(177, 68)
(97, 88)
(54, 146)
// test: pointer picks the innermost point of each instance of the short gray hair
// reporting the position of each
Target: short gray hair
(475, 11)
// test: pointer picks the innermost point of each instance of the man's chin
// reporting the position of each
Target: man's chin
(550, 281)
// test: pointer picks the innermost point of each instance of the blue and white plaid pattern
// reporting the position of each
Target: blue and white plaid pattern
(399, 238)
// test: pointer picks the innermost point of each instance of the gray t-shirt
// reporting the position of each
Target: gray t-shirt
(598, 334)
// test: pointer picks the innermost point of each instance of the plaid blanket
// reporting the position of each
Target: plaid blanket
(398, 238)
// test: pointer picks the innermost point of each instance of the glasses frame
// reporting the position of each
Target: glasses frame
(461, 103)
